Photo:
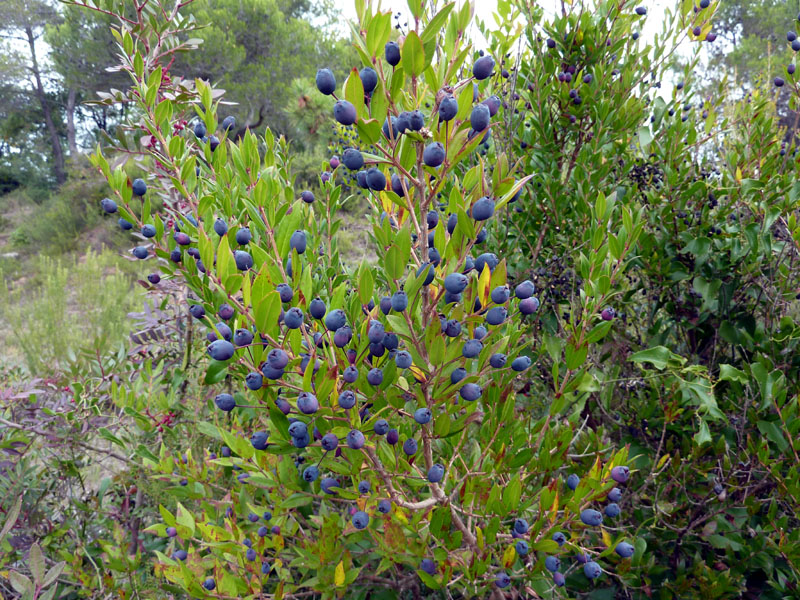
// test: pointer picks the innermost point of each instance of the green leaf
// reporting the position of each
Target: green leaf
(437, 22)
(437, 350)
(354, 93)
(366, 283)
(226, 265)
(48, 595)
(395, 266)
(614, 246)
(645, 137)
(575, 356)
(598, 332)
(703, 436)
(600, 205)
(415, 6)
(512, 493)
(36, 563)
(185, 520)
(659, 356)
(464, 102)
(413, 55)
(296, 500)
(442, 424)
(731, 373)
(378, 107)
(428, 580)
(228, 584)
(369, 129)
(378, 32)
(216, 372)
(20, 583)
(553, 346)
(267, 312)
(403, 241)
(548, 546)
(138, 64)
(107, 435)
(11, 518)
(774, 434)
(208, 429)
(521, 458)
(398, 82)
(54, 573)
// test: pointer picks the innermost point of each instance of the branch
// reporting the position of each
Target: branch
(19, 427)
(100, 10)
(423, 504)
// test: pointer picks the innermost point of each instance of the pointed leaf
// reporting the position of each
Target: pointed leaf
(19, 582)
(11, 519)
(37, 563)
(338, 577)
(53, 574)
(413, 58)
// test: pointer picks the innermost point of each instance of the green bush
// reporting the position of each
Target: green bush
(68, 476)
(694, 377)
(451, 509)
(55, 226)
(69, 305)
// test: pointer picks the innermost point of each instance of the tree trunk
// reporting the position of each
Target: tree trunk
(73, 146)
(58, 153)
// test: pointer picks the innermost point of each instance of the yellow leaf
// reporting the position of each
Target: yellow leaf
(509, 556)
(607, 539)
(596, 469)
(386, 203)
(554, 509)
(479, 536)
(418, 374)
(338, 576)
(483, 285)
(401, 516)
(738, 174)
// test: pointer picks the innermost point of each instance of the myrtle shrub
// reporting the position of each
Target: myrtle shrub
(369, 426)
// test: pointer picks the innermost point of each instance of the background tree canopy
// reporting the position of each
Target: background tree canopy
(255, 49)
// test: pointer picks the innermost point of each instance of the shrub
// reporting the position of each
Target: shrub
(69, 306)
(479, 461)
(692, 372)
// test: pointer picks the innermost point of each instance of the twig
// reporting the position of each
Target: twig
(19, 427)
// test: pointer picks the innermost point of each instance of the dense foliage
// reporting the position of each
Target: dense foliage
(571, 372)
